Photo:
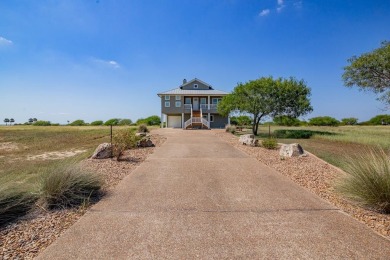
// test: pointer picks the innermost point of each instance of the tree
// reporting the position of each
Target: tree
(286, 121)
(30, 120)
(78, 122)
(268, 97)
(11, 121)
(97, 122)
(151, 120)
(370, 71)
(35, 120)
(125, 122)
(379, 120)
(112, 121)
(349, 121)
(323, 121)
(6, 121)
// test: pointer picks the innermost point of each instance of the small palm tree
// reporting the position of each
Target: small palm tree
(6, 121)
(11, 121)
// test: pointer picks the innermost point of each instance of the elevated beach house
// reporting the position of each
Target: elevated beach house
(192, 105)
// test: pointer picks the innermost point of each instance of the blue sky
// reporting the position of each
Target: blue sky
(98, 59)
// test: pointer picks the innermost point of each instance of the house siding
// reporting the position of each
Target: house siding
(172, 109)
(190, 86)
(219, 121)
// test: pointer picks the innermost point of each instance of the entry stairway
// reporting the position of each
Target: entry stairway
(197, 121)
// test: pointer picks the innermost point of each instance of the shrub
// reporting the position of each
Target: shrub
(323, 121)
(112, 121)
(349, 121)
(125, 122)
(97, 122)
(151, 120)
(123, 140)
(270, 143)
(295, 134)
(286, 121)
(42, 123)
(55, 124)
(143, 129)
(14, 203)
(240, 120)
(69, 186)
(230, 129)
(380, 120)
(78, 122)
(367, 181)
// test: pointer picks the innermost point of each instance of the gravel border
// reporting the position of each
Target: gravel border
(30, 235)
(317, 176)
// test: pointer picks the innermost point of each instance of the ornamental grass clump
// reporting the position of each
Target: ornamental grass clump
(231, 129)
(367, 180)
(14, 203)
(123, 140)
(69, 186)
(143, 128)
(269, 143)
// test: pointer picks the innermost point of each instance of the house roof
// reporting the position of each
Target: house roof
(201, 92)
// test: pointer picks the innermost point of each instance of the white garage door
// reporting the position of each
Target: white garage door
(174, 121)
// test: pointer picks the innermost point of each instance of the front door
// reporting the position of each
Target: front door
(195, 103)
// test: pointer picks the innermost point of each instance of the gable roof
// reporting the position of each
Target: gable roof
(201, 92)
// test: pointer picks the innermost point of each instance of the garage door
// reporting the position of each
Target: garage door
(174, 121)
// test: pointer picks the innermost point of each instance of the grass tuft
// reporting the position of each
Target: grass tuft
(231, 129)
(69, 186)
(143, 128)
(270, 143)
(367, 181)
(14, 203)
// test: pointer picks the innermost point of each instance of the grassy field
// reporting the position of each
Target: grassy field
(336, 142)
(19, 143)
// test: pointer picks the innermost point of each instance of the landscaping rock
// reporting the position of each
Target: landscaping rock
(103, 151)
(145, 142)
(291, 150)
(249, 139)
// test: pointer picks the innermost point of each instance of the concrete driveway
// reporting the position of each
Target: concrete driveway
(198, 197)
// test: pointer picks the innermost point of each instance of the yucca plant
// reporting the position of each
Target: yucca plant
(367, 180)
(14, 203)
(69, 186)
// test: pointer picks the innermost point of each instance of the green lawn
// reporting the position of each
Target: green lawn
(337, 142)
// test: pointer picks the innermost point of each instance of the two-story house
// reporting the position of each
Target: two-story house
(192, 105)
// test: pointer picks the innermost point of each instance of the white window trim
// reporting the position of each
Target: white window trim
(167, 104)
(211, 118)
(178, 98)
(167, 97)
(178, 102)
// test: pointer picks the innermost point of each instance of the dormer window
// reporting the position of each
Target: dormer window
(195, 85)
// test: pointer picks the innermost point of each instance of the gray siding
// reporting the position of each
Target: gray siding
(219, 121)
(190, 86)
(172, 109)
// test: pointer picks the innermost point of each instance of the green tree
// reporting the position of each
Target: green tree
(323, 121)
(380, 120)
(125, 122)
(97, 122)
(112, 121)
(78, 122)
(349, 121)
(286, 121)
(30, 120)
(151, 120)
(11, 121)
(42, 123)
(370, 71)
(6, 121)
(268, 97)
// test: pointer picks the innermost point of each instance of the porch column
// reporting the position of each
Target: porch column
(208, 106)
(228, 120)
(182, 120)
(208, 117)
(162, 120)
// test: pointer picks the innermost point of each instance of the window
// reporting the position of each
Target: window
(216, 100)
(195, 85)
(178, 97)
(167, 104)
(167, 97)
(187, 100)
(211, 118)
(203, 100)
(178, 104)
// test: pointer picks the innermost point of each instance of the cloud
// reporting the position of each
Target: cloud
(108, 63)
(264, 12)
(280, 2)
(4, 41)
(298, 4)
(280, 6)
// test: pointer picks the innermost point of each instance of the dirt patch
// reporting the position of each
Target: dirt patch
(8, 146)
(54, 155)
(29, 236)
(317, 176)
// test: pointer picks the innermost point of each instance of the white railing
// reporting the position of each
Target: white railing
(206, 106)
(188, 106)
(188, 123)
(205, 122)
(196, 120)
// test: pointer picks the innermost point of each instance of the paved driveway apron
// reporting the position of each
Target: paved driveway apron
(198, 197)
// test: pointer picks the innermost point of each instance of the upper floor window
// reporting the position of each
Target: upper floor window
(195, 85)
(167, 104)
(167, 97)
(178, 97)
(216, 100)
